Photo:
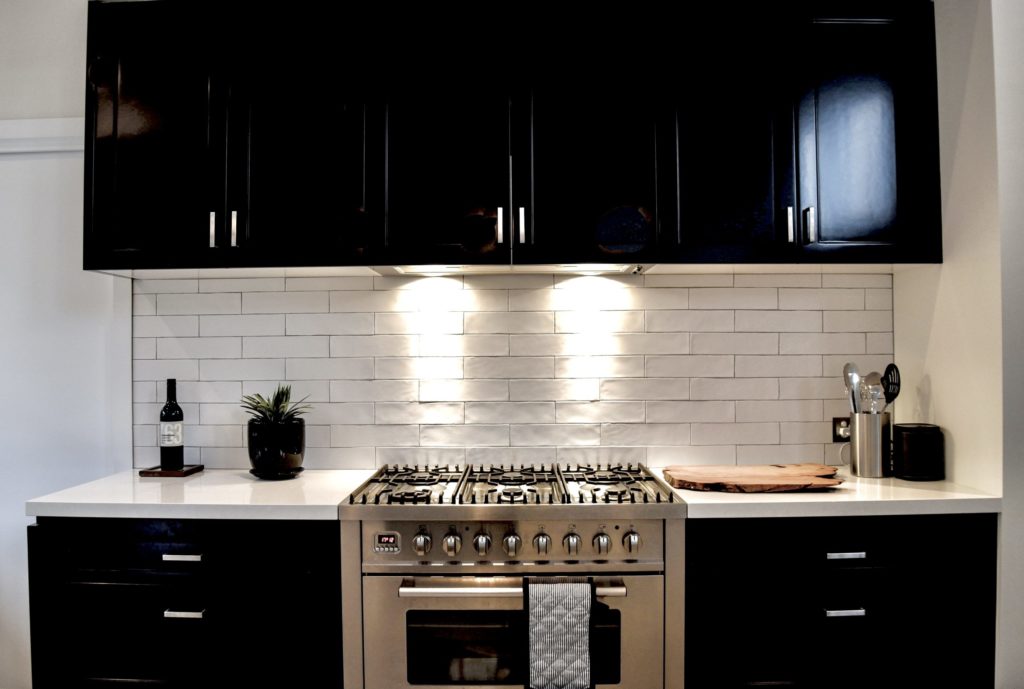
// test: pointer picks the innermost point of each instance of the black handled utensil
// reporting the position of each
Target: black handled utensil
(891, 381)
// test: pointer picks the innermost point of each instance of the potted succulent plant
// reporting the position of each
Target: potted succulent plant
(277, 436)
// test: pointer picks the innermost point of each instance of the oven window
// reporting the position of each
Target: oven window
(460, 647)
(466, 647)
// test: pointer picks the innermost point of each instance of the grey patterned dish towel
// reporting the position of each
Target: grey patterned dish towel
(560, 632)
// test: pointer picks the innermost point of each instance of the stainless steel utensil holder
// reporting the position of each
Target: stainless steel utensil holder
(870, 445)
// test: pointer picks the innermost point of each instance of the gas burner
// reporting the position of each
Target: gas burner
(509, 478)
(512, 495)
(413, 496)
(624, 494)
(606, 476)
(417, 478)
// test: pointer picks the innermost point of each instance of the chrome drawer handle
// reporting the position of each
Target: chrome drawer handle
(168, 557)
(847, 556)
(183, 614)
(213, 229)
(501, 225)
(856, 612)
(489, 592)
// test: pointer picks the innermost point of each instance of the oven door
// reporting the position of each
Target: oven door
(434, 632)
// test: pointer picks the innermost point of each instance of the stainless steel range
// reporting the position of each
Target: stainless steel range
(435, 561)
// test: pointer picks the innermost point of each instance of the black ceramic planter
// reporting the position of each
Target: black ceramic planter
(276, 449)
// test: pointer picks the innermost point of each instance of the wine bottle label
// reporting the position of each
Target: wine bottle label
(172, 434)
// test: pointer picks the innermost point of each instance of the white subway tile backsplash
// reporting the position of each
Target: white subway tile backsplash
(791, 365)
(781, 410)
(691, 366)
(734, 433)
(242, 285)
(527, 435)
(510, 412)
(330, 324)
(419, 412)
(242, 369)
(220, 326)
(464, 390)
(734, 388)
(858, 321)
(165, 326)
(645, 434)
(599, 412)
(197, 304)
(199, 348)
(689, 321)
(734, 298)
(374, 391)
(144, 348)
(465, 435)
(509, 367)
(419, 368)
(288, 346)
(182, 369)
(779, 280)
(502, 369)
(463, 345)
(510, 322)
(599, 322)
(734, 343)
(691, 412)
(645, 389)
(778, 321)
(555, 390)
(819, 299)
(285, 302)
(599, 366)
(330, 369)
(821, 343)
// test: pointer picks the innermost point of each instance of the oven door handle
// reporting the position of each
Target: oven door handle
(489, 591)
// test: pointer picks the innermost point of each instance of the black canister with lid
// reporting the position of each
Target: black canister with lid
(918, 452)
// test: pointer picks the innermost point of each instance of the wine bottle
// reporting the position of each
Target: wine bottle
(172, 431)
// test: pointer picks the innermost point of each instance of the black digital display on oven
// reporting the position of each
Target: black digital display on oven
(387, 539)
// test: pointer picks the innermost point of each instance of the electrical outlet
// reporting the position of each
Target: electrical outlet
(840, 429)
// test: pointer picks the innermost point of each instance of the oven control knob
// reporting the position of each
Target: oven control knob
(572, 543)
(602, 543)
(542, 542)
(452, 544)
(631, 542)
(421, 544)
(512, 544)
(482, 543)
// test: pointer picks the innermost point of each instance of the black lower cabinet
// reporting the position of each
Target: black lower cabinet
(188, 603)
(841, 602)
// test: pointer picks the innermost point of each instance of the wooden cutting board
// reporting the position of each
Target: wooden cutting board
(754, 478)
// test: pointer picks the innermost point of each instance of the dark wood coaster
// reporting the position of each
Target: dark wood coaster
(186, 470)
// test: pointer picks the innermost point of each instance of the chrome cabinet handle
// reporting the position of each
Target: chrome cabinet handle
(790, 235)
(169, 557)
(213, 229)
(522, 225)
(234, 228)
(489, 592)
(847, 556)
(856, 612)
(183, 614)
(812, 224)
(501, 225)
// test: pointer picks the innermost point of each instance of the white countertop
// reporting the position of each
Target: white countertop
(315, 494)
(210, 494)
(855, 497)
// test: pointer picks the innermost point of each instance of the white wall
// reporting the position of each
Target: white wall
(42, 58)
(1008, 20)
(947, 317)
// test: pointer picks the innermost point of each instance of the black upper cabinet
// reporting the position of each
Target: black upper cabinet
(867, 133)
(153, 167)
(734, 138)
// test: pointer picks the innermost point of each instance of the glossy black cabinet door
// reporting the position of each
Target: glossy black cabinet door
(297, 182)
(445, 186)
(735, 137)
(867, 133)
(154, 131)
(590, 136)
